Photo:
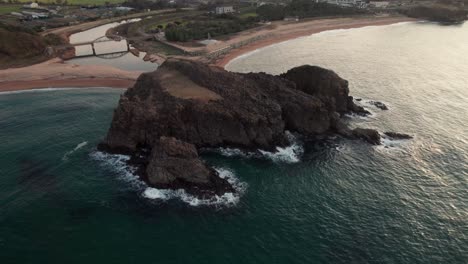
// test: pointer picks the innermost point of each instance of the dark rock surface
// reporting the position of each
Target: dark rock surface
(175, 164)
(445, 14)
(370, 135)
(185, 105)
(379, 105)
(396, 135)
(326, 85)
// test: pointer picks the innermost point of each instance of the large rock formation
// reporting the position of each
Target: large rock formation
(326, 85)
(185, 105)
(443, 13)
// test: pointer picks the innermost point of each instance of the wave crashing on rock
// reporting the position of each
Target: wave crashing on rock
(170, 114)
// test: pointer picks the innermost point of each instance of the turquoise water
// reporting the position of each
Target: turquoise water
(343, 202)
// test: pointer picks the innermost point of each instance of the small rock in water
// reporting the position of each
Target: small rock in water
(370, 135)
(396, 135)
(379, 105)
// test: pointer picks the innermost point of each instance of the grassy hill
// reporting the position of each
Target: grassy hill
(20, 46)
(6, 9)
(71, 2)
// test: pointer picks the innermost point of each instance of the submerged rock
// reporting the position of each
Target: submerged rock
(185, 105)
(174, 164)
(396, 135)
(379, 105)
(370, 135)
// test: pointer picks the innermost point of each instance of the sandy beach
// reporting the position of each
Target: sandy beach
(55, 73)
(283, 32)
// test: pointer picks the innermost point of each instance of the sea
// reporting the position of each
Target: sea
(324, 200)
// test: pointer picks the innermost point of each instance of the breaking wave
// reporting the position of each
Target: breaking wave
(391, 144)
(82, 144)
(127, 173)
(227, 199)
(289, 154)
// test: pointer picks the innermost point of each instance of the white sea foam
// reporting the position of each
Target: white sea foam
(80, 145)
(38, 90)
(227, 199)
(289, 154)
(362, 117)
(368, 103)
(391, 144)
(127, 173)
(118, 163)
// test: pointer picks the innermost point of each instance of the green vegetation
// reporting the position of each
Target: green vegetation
(69, 2)
(247, 15)
(18, 44)
(6, 9)
(440, 13)
(304, 9)
(204, 26)
(271, 12)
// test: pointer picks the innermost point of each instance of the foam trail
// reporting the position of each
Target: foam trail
(227, 199)
(127, 173)
(82, 144)
(391, 144)
(118, 163)
(289, 154)
(38, 90)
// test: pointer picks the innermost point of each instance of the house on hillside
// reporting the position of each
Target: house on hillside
(224, 10)
(345, 3)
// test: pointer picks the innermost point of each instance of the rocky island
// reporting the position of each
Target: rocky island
(442, 13)
(171, 113)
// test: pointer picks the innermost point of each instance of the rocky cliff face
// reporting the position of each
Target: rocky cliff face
(185, 105)
(447, 14)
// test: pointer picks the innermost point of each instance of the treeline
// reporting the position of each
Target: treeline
(199, 29)
(304, 9)
(154, 4)
(20, 42)
(438, 13)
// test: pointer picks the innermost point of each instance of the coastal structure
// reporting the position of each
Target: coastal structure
(345, 3)
(224, 10)
(183, 106)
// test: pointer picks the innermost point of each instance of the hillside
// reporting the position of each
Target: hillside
(439, 13)
(19, 46)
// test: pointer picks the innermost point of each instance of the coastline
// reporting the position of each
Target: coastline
(307, 29)
(55, 73)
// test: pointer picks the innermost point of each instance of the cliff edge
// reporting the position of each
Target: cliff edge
(183, 106)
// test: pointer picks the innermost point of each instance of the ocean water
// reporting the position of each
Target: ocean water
(327, 201)
(125, 61)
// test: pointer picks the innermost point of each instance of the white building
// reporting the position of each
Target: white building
(346, 3)
(224, 10)
(379, 4)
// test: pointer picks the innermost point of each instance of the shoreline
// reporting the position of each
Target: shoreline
(308, 30)
(112, 83)
(55, 73)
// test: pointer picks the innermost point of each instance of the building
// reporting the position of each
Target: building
(344, 3)
(379, 4)
(291, 18)
(224, 10)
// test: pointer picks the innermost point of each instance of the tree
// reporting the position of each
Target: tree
(271, 12)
